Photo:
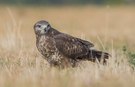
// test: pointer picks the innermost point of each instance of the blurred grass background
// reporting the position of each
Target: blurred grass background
(109, 24)
(65, 2)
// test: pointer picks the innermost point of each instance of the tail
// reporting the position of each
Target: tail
(99, 55)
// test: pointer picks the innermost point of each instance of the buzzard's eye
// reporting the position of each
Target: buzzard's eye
(39, 26)
(48, 26)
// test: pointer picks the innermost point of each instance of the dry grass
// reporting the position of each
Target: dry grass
(21, 65)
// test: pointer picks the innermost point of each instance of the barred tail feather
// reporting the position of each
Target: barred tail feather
(99, 55)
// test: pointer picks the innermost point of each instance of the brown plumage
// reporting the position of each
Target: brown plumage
(63, 50)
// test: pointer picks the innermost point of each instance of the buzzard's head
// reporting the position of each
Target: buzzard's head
(42, 27)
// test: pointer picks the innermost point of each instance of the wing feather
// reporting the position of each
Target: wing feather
(72, 47)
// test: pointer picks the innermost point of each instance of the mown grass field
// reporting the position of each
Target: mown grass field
(111, 29)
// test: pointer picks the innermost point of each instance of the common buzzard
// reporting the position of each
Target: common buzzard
(63, 50)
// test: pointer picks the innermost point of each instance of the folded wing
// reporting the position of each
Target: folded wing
(72, 47)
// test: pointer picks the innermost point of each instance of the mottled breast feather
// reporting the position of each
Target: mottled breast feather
(46, 46)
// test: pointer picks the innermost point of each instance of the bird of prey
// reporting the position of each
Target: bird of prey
(64, 50)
